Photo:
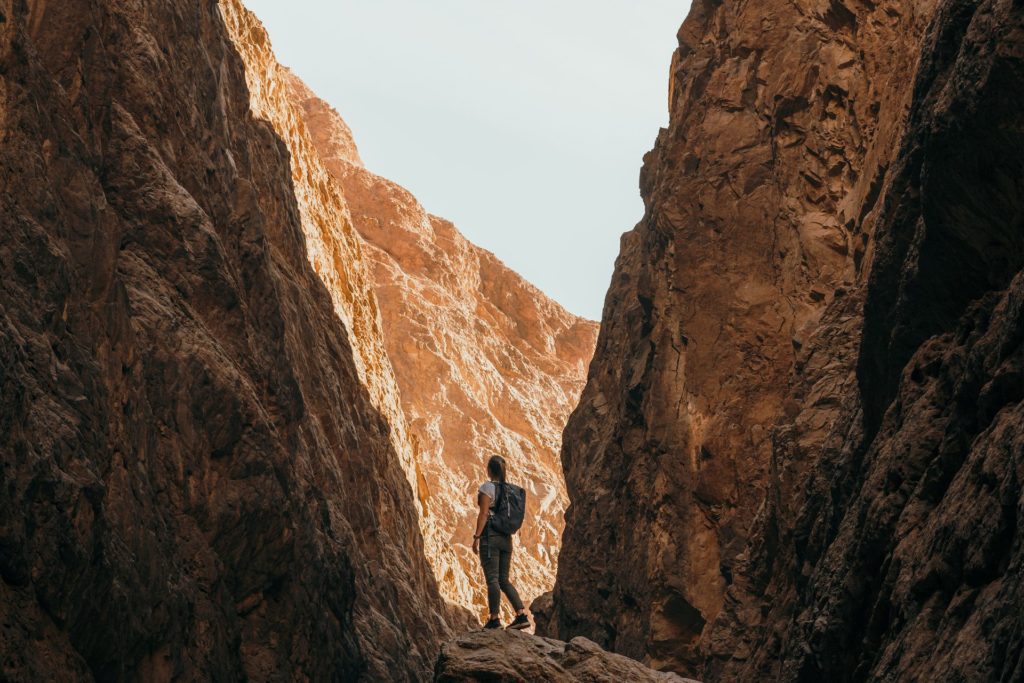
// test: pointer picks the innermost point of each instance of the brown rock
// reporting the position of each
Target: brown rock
(798, 413)
(334, 248)
(332, 138)
(783, 122)
(514, 656)
(904, 559)
(200, 479)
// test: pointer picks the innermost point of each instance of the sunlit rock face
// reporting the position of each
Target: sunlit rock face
(486, 363)
(204, 474)
(335, 249)
(797, 456)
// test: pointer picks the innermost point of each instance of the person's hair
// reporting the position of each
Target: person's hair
(496, 468)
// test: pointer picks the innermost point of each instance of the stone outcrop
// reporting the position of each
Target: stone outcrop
(486, 364)
(203, 470)
(800, 434)
(517, 657)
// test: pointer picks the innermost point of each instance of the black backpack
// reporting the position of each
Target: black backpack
(510, 508)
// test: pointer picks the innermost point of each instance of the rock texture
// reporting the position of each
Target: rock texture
(486, 364)
(202, 473)
(517, 657)
(800, 433)
(334, 247)
(905, 557)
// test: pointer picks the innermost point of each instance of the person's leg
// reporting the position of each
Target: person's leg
(490, 559)
(504, 562)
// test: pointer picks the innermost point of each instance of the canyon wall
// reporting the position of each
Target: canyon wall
(797, 455)
(338, 255)
(486, 363)
(205, 471)
(900, 554)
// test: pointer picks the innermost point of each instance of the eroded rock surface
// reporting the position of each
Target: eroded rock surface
(486, 364)
(800, 432)
(784, 120)
(318, 141)
(514, 657)
(200, 480)
(901, 558)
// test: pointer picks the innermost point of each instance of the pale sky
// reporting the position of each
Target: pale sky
(522, 121)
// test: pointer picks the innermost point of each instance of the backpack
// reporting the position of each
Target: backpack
(509, 509)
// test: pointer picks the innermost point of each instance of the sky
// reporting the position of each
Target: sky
(522, 121)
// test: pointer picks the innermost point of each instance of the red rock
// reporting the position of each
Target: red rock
(778, 466)
(486, 363)
(483, 361)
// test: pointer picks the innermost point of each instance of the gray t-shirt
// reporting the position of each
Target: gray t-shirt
(488, 488)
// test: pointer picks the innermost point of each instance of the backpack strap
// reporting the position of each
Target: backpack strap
(490, 514)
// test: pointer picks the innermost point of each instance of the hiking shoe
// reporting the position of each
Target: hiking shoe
(522, 621)
(493, 623)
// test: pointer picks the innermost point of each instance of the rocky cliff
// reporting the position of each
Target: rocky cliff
(486, 364)
(799, 438)
(204, 472)
(900, 555)
(317, 139)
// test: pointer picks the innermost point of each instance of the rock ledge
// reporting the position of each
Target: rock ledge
(517, 656)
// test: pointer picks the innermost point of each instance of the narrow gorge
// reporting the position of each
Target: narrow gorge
(469, 358)
(248, 386)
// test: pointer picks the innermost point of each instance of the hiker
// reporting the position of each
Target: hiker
(502, 506)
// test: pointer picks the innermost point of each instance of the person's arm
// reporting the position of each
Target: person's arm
(481, 519)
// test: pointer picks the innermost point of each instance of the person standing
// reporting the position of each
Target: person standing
(495, 547)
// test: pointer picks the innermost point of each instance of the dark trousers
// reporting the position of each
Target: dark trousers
(495, 558)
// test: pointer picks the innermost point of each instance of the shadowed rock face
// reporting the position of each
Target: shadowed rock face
(905, 556)
(783, 122)
(486, 364)
(800, 433)
(200, 479)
